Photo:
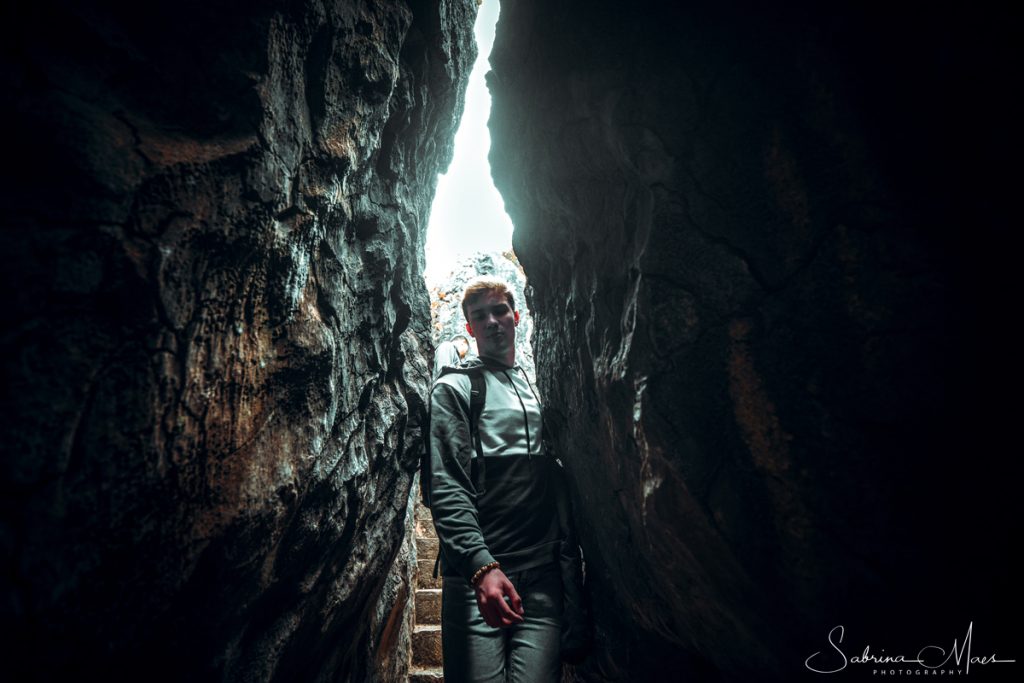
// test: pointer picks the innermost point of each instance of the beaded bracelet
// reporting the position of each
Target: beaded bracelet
(483, 570)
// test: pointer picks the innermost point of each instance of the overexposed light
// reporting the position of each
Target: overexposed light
(468, 214)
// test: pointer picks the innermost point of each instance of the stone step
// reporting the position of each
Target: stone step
(428, 606)
(434, 675)
(426, 646)
(422, 512)
(425, 575)
(426, 548)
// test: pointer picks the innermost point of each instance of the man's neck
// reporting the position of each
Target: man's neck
(506, 362)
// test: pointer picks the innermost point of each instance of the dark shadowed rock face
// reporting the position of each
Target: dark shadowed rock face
(216, 328)
(758, 236)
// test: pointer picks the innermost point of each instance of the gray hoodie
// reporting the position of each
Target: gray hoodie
(515, 519)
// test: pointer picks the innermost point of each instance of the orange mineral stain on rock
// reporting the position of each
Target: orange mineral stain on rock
(166, 148)
(854, 269)
(769, 447)
(788, 189)
(755, 413)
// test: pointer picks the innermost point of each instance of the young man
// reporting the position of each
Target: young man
(498, 526)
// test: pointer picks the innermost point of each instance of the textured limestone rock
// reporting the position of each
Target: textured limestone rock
(758, 236)
(216, 330)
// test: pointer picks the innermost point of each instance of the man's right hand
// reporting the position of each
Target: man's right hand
(490, 598)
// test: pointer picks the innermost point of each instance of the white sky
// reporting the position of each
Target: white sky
(468, 214)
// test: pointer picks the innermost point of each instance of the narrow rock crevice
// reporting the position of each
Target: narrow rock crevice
(207, 431)
(768, 278)
(720, 207)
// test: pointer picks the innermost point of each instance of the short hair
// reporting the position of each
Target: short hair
(483, 285)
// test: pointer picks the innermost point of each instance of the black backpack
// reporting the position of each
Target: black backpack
(477, 397)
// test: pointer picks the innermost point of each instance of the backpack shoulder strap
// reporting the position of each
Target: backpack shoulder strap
(477, 399)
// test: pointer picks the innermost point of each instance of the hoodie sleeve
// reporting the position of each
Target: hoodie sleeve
(451, 490)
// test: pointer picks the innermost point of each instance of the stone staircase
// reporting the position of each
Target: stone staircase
(426, 634)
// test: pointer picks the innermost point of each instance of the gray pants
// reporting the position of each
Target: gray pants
(523, 653)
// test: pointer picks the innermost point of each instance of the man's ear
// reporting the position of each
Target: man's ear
(517, 317)
(470, 330)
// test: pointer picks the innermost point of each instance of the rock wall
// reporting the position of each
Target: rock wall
(769, 240)
(216, 330)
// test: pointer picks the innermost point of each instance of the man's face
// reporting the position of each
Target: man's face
(493, 324)
(462, 346)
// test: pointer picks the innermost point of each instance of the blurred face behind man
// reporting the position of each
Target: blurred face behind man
(492, 322)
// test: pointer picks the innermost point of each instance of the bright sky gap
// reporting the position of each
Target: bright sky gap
(468, 214)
